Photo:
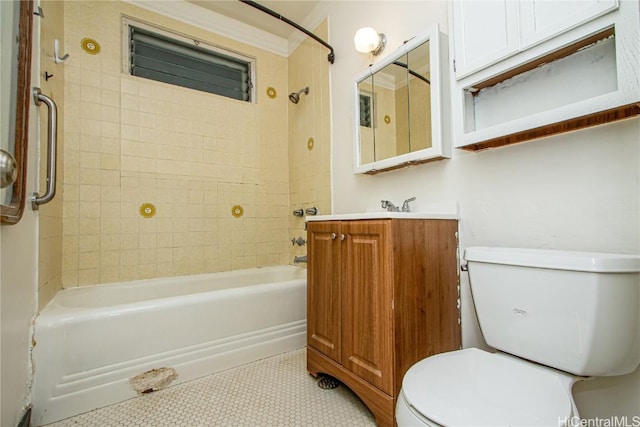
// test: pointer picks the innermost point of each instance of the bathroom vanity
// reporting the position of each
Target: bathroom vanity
(382, 294)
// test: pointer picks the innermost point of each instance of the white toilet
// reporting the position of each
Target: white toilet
(569, 314)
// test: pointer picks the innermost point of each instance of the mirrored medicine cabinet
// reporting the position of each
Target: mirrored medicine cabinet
(400, 103)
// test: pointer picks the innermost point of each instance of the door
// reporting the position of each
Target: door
(324, 298)
(367, 345)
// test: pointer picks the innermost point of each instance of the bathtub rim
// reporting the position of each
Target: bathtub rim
(55, 311)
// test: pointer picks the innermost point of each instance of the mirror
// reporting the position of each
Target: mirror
(399, 104)
(16, 97)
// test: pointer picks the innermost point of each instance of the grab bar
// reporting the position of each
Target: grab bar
(52, 130)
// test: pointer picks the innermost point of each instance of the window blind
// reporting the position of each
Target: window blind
(365, 111)
(157, 57)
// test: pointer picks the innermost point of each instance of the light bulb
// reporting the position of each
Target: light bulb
(366, 40)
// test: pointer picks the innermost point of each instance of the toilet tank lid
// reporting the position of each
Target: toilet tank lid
(598, 262)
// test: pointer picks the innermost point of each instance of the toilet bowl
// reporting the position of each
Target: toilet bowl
(472, 387)
(553, 312)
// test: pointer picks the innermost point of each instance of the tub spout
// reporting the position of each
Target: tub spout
(297, 259)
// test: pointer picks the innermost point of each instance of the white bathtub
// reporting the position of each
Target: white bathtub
(90, 340)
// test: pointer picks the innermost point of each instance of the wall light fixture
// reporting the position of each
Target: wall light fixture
(368, 40)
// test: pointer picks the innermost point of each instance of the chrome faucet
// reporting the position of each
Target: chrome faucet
(389, 206)
(405, 205)
(297, 259)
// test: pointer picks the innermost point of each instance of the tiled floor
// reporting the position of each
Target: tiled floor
(276, 391)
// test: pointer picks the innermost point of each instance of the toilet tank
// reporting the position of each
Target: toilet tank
(575, 311)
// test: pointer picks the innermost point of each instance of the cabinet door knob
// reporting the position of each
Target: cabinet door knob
(342, 237)
(333, 236)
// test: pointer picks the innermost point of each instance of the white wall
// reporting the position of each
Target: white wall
(576, 191)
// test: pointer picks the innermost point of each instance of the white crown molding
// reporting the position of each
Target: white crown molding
(388, 82)
(315, 18)
(208, 20)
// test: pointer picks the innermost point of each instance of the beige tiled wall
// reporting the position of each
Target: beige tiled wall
(420, 114)
(193, 155)
(310, 180)
(420, 107)
(50, 222)
(387, 131)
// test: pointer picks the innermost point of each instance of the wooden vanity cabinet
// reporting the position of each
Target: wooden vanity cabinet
(381, 295)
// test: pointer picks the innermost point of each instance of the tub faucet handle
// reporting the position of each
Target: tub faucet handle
(298, 212)
(298, 241)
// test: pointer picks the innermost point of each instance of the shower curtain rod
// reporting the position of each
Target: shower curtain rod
(413, 73)
(330, 56)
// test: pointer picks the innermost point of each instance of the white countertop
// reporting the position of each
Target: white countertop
(382, 215)
(447, 210)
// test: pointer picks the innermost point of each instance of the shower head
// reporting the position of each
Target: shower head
(295, 96)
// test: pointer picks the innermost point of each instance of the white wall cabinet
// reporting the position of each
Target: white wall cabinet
(530, 68)
(486, 32)
(400, 106)
(543, 19)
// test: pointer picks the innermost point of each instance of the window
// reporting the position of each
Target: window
(365, 110)
(170, 58)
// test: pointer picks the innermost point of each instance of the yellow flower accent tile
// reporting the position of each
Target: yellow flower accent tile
(90, 46)
(147, 210)
(237, 211)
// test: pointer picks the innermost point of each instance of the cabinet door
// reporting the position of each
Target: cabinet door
(543, 19)
(324, 297)
(484, 32)
(367, 345)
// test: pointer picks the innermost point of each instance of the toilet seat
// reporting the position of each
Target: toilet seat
(474, 387)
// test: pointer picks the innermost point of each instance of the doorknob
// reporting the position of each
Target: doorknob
(8, 169)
